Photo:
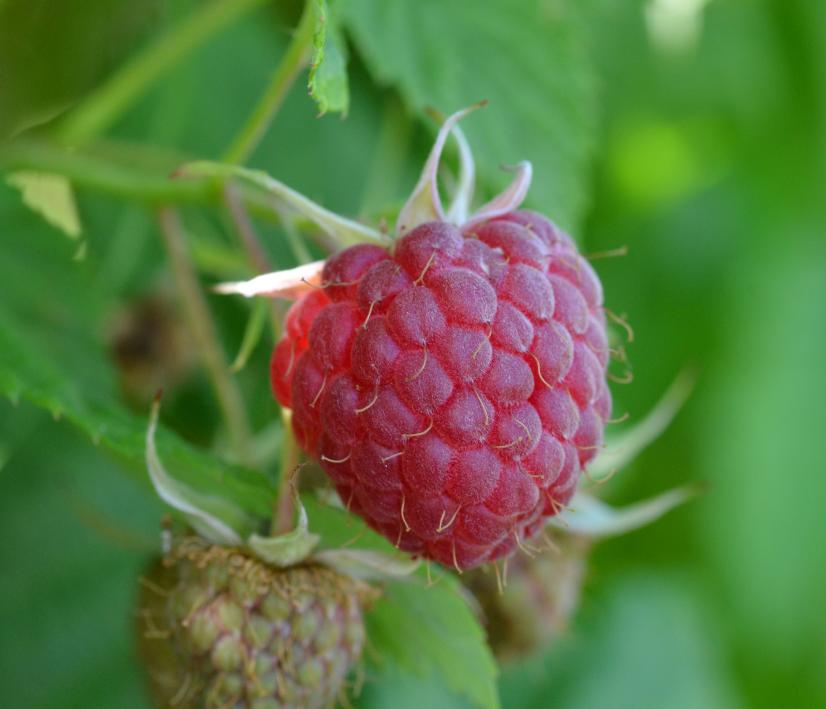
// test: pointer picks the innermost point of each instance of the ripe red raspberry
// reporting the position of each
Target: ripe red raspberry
(453, 388)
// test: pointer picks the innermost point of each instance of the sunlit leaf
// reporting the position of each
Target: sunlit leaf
(50, 196)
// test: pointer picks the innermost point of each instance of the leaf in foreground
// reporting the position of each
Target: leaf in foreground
(427, 631)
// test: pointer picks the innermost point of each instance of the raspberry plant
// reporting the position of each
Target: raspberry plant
(449, 376)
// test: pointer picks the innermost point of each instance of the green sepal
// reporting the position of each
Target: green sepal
(282, 550)
(215, 519)
(366, 564)
(588, 516)
(344, 232)
(623, 448)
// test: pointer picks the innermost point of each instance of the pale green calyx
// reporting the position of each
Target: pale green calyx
(342, 231)
(623, 448)
(216, 520)
(220, 523)
(591, 517)
(425, 204)
(366, 564)
(282, 550)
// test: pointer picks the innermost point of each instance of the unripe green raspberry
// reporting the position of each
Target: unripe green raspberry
(538, 599)
(219, 628)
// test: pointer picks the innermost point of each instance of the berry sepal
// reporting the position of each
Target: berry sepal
(425, 204)
(342, 231)
(589, 516)
(216, 520)
(286, 549)
(290, 283)
(620, 449)
(221, 524)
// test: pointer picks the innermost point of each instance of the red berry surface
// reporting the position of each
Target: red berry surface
(454, 387)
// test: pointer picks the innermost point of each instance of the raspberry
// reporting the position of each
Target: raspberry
(219, 628)
(537, 603)
(453, 388)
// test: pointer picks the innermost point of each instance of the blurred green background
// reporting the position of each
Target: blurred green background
(692, 131)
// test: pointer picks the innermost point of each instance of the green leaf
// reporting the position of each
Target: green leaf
(420, 628)
(48, 59)
(328, 69)
(82, 533)
(400, 690)
(762, 526)
(432, 632)
(50, 354)
(647, 640)
(27, 372)
(51, 196)
(525, 58)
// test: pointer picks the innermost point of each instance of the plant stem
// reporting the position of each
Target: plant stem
(203, 332)
(120, 178)
(252, 245)
(296, 243)
(282, 520)
(104, 174)
(287, 71)
(245, 230)
(125, 87)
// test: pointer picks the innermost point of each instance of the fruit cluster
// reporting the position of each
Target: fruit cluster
(452, 387)
(221, 629)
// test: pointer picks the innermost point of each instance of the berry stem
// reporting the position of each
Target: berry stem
(284, 76)
(246, 231)
(203, 332)
(284, 512)
(125, 87)
(251, 244)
